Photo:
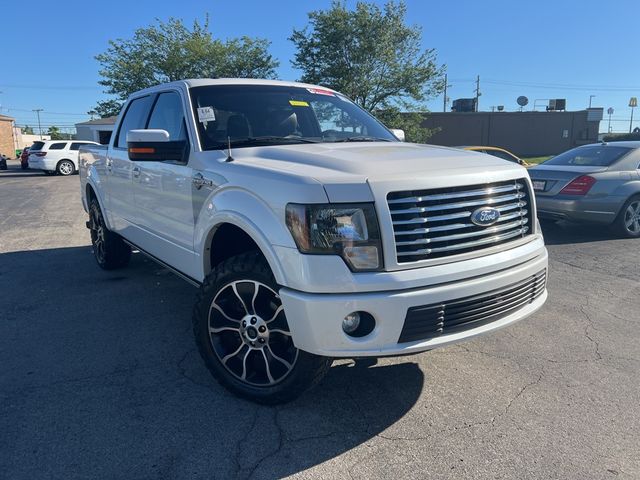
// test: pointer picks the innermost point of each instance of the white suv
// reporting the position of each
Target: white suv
(56, 156)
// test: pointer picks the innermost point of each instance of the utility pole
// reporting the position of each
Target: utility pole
(444, 100)
(38, 110)
(477, 92)
(610, 112)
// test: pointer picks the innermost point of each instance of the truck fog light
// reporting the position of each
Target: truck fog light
(351, 322)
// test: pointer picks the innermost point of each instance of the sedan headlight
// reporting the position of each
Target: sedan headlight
(348, 230)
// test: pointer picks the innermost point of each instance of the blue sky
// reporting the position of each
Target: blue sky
(543, 49)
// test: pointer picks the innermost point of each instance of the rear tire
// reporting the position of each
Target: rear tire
(627, 224)
(243, 336)
(66, 168)
(109, 249)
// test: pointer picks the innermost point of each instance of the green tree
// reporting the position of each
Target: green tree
(374, 57)
(55, 133)
(168, 51)
(27, 130)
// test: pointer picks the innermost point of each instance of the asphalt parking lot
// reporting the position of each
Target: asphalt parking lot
(100, 378)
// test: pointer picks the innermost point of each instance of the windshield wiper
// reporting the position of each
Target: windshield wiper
(361, 138)
(268, 140)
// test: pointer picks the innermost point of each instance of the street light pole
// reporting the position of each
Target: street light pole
(591, 97)
(38, 110)
(633, 103)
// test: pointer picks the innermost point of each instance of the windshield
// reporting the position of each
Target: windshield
(250, 115)
(591, 156)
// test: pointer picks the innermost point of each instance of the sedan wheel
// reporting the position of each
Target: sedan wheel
(632, 218)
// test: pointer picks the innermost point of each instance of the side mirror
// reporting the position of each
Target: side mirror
(399, 134)
(153, 145)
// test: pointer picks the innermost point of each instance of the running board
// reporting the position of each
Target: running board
(173, 270)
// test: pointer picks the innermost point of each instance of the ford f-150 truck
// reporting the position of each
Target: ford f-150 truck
(312, 231)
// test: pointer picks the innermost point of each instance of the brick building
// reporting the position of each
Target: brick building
(7, 138)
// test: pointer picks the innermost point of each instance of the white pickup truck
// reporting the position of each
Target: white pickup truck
(310, 229)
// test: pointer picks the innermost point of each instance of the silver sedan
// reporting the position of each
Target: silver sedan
(598, 183)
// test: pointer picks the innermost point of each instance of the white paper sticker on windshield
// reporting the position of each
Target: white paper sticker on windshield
(206, 114)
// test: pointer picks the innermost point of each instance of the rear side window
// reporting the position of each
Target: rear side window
(76, 146)
(57, 146)
(36, 146)
(592, 156)
(135, 117)
(168, 115)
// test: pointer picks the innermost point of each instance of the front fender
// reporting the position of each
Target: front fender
(251, 214)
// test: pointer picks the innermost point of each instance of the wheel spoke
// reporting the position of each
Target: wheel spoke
(636, 225)
(281, 360)
(219, 309)
(244, 365)
(266, 364)
(233, 354)
(256, 289)
(281, 332)
(628, 222)
(278, 310)
(222, 329)
(235, 290)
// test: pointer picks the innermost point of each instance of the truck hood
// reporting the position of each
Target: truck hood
(373, 161)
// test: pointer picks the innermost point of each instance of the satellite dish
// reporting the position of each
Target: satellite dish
(500, 108)
(522, 101)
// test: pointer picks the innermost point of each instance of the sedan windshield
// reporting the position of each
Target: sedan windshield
(591, 156)
(257, 115)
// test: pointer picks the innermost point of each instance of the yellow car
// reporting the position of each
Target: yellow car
(500, 153)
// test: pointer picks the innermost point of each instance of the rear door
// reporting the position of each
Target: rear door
(120, 169)
(162, 190)
(57, 151)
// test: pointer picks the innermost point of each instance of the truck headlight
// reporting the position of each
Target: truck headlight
(348, 230)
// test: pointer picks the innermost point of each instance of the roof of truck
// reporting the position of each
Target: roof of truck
(200, 82)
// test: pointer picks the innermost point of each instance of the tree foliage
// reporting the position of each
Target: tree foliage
(55, 133)
(27, 130)
(373, 56)
(169, 51)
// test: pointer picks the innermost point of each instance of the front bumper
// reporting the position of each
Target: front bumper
(315, 320)
(581, 209)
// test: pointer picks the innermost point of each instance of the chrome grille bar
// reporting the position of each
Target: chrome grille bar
(441, 219)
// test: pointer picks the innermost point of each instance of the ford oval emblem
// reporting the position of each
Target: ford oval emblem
(485, 216)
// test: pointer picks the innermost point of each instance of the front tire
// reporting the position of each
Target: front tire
(109, 249)
(66, 168)
(627, 223)
(243, 335)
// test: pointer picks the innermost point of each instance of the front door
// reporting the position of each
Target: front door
(162, 192)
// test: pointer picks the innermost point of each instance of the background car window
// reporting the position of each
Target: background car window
(57, 146)
(168, 115)
(75, 146)
(593, 156)
(134, 118)
(36, 146)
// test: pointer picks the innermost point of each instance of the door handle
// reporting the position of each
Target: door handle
(136, 172)
(199, 181)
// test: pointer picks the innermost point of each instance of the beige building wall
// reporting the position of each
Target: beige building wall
(7, 140)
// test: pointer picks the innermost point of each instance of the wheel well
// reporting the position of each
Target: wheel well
(228, 241)
(90, 194)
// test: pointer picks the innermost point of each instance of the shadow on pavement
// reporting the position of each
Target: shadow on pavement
(564, 232)
(101, 379)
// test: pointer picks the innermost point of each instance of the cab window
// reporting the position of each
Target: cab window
(168, 115)
(134, 118)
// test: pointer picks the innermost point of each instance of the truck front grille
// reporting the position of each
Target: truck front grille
(429, 321)
(437, 223)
